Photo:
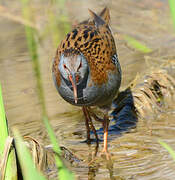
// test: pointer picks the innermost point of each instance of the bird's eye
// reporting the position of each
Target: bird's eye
(79, 66)
(64, 66)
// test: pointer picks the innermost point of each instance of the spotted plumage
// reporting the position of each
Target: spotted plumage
(86, 69)
(96, 44)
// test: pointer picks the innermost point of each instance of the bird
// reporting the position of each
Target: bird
(86, 70)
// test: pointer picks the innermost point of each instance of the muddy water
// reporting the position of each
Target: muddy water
(135, 155)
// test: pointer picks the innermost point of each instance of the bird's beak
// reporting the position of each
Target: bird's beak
(73, 81)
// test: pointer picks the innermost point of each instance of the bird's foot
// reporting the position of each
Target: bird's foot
(106, 153)
(93, 159)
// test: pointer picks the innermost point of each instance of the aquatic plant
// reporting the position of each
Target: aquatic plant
(8, 169)
(168, 148)
(137, 45)
(29, 170)
(172, 10)
(63, 172)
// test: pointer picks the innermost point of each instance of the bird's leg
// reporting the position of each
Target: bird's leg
(105, 138)
(87, 124)
(105, 123)
(105, 127)
(92, 126)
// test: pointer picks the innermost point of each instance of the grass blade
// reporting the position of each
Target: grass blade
(172, 10)
(168, 148)
(63, 172)
(137, 45)
(10, 169)
(4, 12)
(3, 122)
(28, 168)
(58, 25)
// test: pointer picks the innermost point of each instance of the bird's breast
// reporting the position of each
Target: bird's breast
(89, 93)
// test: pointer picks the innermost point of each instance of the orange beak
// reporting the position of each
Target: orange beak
(73, 81)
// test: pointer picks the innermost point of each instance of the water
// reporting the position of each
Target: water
(136, 154)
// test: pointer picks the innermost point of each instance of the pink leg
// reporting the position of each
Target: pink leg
(105, 138)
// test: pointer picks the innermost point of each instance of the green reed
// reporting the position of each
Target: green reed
(63, 172)
(58, 25)
(28, 168)
(8, 169)
(168, 148)
(172, 10)
(137, 45)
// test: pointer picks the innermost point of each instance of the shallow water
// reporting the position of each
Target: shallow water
(136, 154)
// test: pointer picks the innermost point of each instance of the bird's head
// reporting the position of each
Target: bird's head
(73, 68)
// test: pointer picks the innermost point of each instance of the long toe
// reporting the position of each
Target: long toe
(106, 153)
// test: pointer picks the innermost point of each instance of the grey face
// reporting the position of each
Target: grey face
(73, 65)
(73, 69)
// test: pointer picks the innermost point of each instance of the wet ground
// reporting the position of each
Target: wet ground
(135, 154)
